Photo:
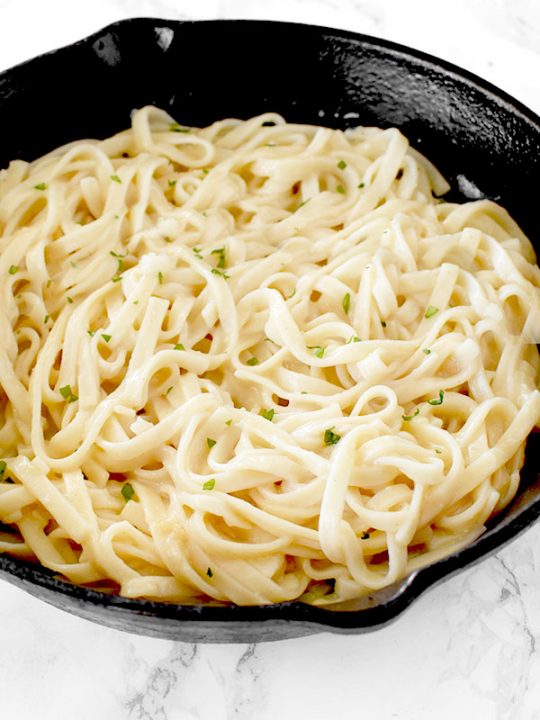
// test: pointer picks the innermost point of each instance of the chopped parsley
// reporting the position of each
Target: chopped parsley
(67, 394)
(209, 484)
(340, 189)
(169, 389)
(353, 338)
(70, 300)
(116, 278)
(267, 414)
(209, 572)
(342, 164)
(221, 259)
(128, 493)
(253, 361)
(410, 417)
(330, 437)
(179, 346)
(13, 269)
(41, 186)
(117, 255)
(106, 337)
(175, 127)
(222, 274)
(160, 277)
(210, 442)
(439, 400)
(318, 350)
(3, 467)
(228, 422)
(364, 536)
(91, 332)
(172, 183)
(197, 252)
(205, 171)
(438, 451)
(346, 303)
(426, 351)
(431, 311)
(303, 203)
(361, 185)
(115, 178)
(46, 319)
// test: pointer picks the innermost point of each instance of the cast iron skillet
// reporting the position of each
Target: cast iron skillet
(485, 142)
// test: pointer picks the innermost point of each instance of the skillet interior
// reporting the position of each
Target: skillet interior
(485, 143)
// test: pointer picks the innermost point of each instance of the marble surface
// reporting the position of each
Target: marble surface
(467, 649)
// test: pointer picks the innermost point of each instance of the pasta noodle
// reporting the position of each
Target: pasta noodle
(256, 362)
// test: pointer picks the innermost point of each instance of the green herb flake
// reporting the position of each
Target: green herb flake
(175, 127)
(361, 185)
(91, 332)
(431, 311)
(205, 171)
(115, 178)
(13, 269)
(3, 468)
(410, 417)
(209, 572)
(222, 274)
(179, 346)
(117, 255)
(128, 493)
(210, 442)
(106, 337)
(209, 484)
(438, 451)
(364, 536)
(169, 389)
(302, 204)
(197, 252)
(160, 278)
(67, 394)
(116, 278)
(330, 437)
(41, 186)
(342, 164)
(172, 183)
(70, 300)
(439, 400)
(426, 351)
(228, 422)
(318, 351)
(221, 256)
(253, 361)
(65, 391)
(346, 303)
(340, 189)
(168, 239)
(46, 319)
(267, 414)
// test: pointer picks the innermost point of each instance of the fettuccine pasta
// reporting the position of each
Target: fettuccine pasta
(256, 362)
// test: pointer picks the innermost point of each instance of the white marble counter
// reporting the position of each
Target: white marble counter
(466, 650)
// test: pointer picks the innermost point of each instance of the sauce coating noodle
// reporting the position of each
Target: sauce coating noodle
(256, 362)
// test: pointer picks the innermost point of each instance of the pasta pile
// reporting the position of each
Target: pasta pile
(255, 362)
